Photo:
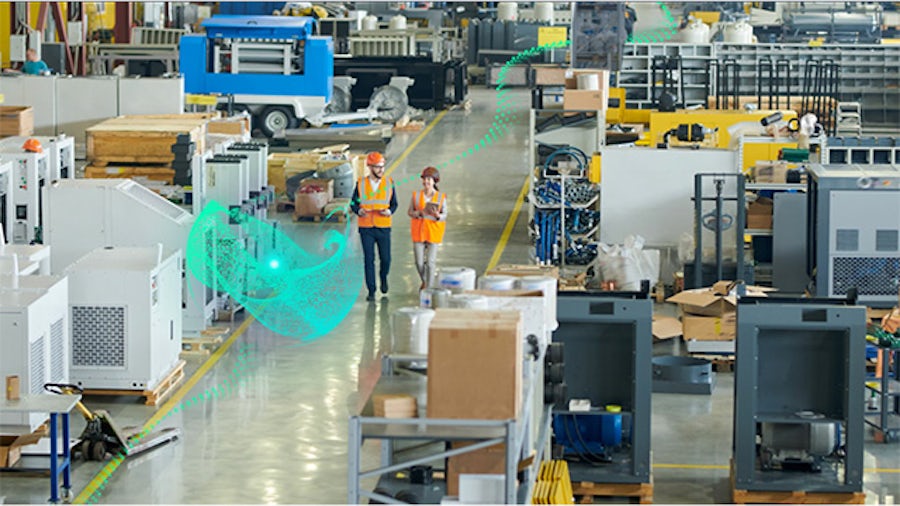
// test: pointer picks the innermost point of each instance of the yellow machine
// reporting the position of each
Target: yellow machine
(662, 122)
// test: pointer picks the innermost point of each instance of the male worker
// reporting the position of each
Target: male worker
(374, 201)
(33, 64)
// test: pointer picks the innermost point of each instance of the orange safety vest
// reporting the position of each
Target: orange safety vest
(428, 229)
(374, 201)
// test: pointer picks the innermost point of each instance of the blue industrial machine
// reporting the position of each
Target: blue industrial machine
(273, 66)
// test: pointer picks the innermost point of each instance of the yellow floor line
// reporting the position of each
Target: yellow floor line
(507, 230)
(416, 142)
(107, 470)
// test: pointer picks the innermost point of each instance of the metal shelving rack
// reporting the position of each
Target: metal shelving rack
(520, 436)
(591, 142)
(637, 70)
(870, 73)
(886, 419)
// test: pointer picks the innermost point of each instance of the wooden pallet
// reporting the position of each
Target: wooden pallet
(720, 363)
(587, 491)
(155, 396)
(208, 342)
(797, 497)
(792, 497)
(339, 217)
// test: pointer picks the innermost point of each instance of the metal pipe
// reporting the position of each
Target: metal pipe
(718, 231)
(698, 227)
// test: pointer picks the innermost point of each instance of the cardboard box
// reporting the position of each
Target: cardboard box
(713, 301)
(709, 328)
(584, 100)
(467, 351)
(325, 184)
(666, 327)
(703, 302)
(549, 75)
(581, 99)
(13, 391)
(759, 213)
(771, 171)
(488, 460)
(11, 447)
(309, 204)
(16, 121)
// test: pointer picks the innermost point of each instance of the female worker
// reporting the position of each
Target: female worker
(428, 210)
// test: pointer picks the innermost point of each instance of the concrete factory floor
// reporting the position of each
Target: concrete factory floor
(280, 434)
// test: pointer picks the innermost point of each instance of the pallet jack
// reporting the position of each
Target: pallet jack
(102, 436)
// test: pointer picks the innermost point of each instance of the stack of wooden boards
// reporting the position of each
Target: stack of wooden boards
(395, 406)
(140, 146)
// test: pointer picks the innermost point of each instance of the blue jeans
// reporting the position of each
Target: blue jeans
(370, 237)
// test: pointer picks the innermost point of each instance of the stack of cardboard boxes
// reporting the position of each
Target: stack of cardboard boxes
(708, 314)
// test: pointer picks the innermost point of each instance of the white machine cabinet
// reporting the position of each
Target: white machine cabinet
(61, 152)
(34, 334)
(125, 317)
(120, 212)
(29, 172)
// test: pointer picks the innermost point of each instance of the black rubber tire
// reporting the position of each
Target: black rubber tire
(98, 451)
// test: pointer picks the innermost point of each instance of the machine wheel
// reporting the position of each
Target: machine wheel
(98, 451)
(275, 118)
(85, 449)
(67, 495)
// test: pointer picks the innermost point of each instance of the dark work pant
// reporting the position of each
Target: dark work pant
(370, 237)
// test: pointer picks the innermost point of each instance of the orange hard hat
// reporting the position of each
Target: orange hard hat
(33, 145)
(374, 158)
(432, 173)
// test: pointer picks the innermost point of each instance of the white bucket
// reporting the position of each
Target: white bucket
(468, 301)
(543, 12)
(588, 81)
(434, 298)
(497, 282)
(370, 22)
(398, 23)
(507, 11)
(409, 330)
(547, 285)
(456, 279)
(739, 32)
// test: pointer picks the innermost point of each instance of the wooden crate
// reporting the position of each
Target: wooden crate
(16, 121)
(153, 173)
(141, 139)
